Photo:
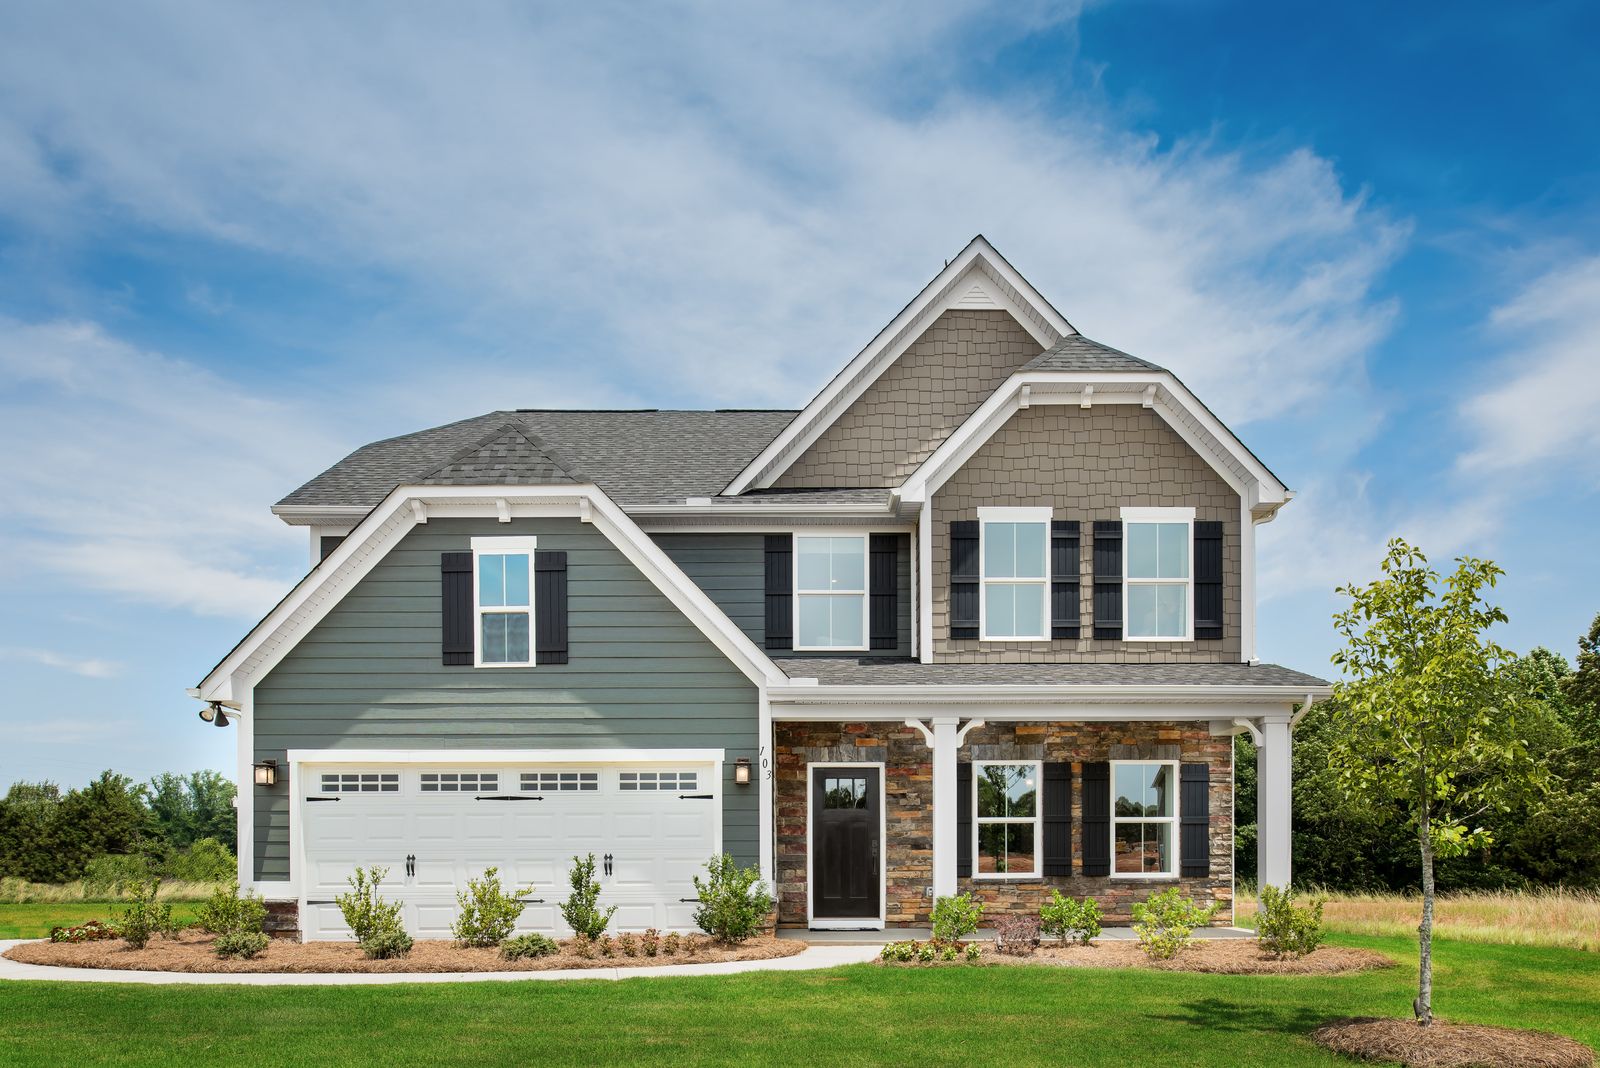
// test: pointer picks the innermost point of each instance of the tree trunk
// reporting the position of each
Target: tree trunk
(1423, 1006)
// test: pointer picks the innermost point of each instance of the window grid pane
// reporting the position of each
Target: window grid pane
(658, 780)
(351, 782)
(464, 782)
(561, 781)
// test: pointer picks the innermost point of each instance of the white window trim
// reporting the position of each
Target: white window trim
(866, 589)
(492, 546)
(1037, 820)
(1012, 515)
(1158, 515)
(1172, 820)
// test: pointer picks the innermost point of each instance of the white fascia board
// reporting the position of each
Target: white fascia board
(1178, 695)
(1022, 712)
(506, 756)
(314, 515)
(1225, 452)
(979, 260)
(383, 528)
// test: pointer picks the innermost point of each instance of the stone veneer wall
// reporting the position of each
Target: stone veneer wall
(1086, 465)
(908, 799)
(914, 405)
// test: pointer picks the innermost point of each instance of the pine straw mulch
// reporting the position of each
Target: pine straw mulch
(1220, 956)
(1447, 1045)
(191, 952)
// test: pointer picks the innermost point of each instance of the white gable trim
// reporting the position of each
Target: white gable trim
(315, 595)
(1159, 391)
(977, 278)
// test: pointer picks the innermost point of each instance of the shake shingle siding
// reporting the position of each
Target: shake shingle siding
(369, 676)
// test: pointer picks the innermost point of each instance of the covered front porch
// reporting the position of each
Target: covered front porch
(881, 806)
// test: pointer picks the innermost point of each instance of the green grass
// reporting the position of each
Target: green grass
(35, 919)
(848, 1016)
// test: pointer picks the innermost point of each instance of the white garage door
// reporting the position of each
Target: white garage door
(650, 826)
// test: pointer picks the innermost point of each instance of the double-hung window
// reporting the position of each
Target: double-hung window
(503, 601)
(830, 591)
(1144, 818)
(1015, 573)
(1005, 808)
(1157, 583)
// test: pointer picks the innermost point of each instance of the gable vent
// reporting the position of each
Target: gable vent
(976, 297)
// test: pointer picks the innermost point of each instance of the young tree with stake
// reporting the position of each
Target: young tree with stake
(1426, 715)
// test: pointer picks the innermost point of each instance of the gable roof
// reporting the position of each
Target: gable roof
(979, 277)
(636, 457)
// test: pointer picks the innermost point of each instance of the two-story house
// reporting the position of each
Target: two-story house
(981, 617)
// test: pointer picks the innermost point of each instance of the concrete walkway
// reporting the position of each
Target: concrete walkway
(814, 957)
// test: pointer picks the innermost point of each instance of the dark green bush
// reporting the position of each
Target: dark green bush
(365, 913)
(955, 918)
(245, 944)
(145, 916)
(528, 945)
(386, 944)
(1165, 922)
(226, 911)
(734, 902)
(1070, 920)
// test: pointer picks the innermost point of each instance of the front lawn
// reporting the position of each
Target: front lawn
(857, 1015)
(35, 918)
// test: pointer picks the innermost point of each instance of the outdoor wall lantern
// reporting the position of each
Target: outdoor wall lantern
(266, 773)
(741, 772)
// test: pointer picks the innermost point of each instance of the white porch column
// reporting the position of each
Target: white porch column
(944, 737)
(1274, 801)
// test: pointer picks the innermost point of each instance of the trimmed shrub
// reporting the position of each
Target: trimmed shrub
(671, 943)
(734, 902)
(582, 909)
(365, 913)
(955, 918)
(1165, 922)
(899, 952)
(386, 944)
(528, 945)
(226, 911)
(1285, 929)
(1069, 920)
(650, 942)
(972, 953)
(144, 915)
(245, 944)
(488, 913)
(1016, 936)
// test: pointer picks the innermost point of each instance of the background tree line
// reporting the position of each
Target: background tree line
(174, 826)
(1548, 837)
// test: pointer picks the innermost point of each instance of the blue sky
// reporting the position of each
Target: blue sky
(237, 242)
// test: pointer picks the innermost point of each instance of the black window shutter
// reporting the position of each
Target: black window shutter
(1208, 580)
(550, 608)
(1097, 819)
(1058, 819)
(964, 820)
(1108, 579)
(780, 591)
(1064, 567)
(328, 543)
(1194, 820)
(455, 608)
(883, 559)
(964, 578)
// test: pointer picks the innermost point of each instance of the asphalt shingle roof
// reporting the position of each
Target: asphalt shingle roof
(1077, 353)
(636, 457)
(865, 671)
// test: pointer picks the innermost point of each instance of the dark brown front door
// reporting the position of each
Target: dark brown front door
(846, 811)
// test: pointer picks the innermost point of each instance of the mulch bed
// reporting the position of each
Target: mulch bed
(191, 952)
(1232, 956)
(1446, 1045)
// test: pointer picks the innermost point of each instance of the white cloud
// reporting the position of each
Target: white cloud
(88, 667)
(1539, 405)
(724, 204)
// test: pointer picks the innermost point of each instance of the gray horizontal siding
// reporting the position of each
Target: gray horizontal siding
(731, 569)
(370, 676)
